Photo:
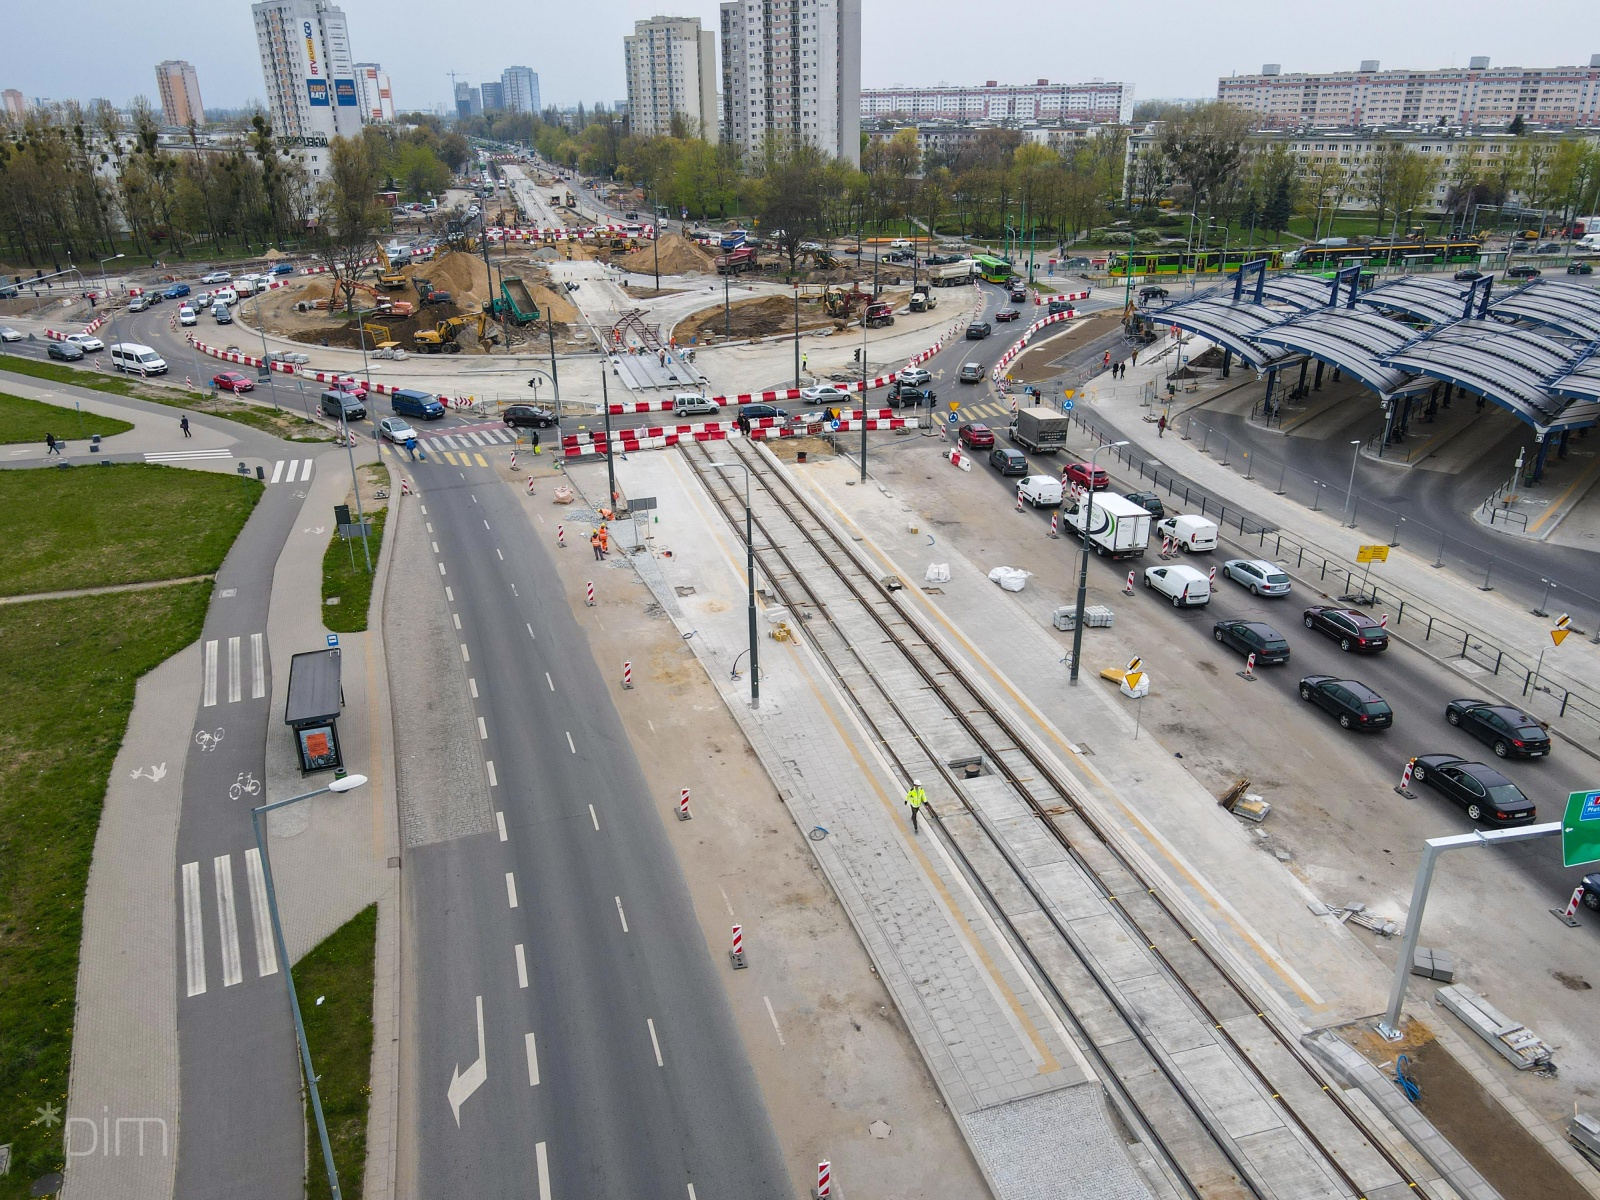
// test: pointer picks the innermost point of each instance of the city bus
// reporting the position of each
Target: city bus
(1179, 262)
(993, 270)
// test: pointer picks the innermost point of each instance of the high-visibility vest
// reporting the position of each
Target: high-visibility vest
(915, 797)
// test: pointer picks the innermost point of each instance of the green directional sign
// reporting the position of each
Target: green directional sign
(1580, 829)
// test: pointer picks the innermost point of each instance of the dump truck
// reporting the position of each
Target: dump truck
(923, 299)
(428, 294)
(1042, 430)
(952, 274)
(516, 301)
(742, 259)
(1118, 528)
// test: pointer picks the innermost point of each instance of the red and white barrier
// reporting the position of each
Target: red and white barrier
(365, 262)
(1405, 776)
(627, 676)
(629, 441)
(824, 1181)
(683, 804)
(1383, 621)
(561, 536)
(588, 595)
(1021, 343)
(405, 487)
(1055, 519)
(1127, 588)
(736, 954)
(530, 485)
(1250, 667)
(1572, 904)
(1211, 577)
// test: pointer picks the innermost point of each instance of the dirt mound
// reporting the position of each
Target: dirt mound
(760, 316)
(462, 275)
(553, 305)
(679, 256)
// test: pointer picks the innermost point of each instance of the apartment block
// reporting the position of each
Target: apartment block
(1096, 102)
(791, 74)
(671, 64)
(310, 75)
(179, 88)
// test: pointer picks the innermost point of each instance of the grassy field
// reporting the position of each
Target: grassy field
(29, 420)
(352, 584)
(283, 423)
(339, 1031)
(125, 523)
(66, 687)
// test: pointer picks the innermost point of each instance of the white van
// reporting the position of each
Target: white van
(137, 359)
(690, 404)
(1184, 586)
(226, 296)
(246, 286)
(1195, 534)
(186, 315)
(1041, 491)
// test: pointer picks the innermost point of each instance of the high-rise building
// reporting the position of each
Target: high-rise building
(519, 87)
(179, 88)
(1097, 102)
(469, 100)
(377, 98)
(1474, 95)
(15, 102)
(494, 96)
(791, 73)
(310, 75)
(671, 65)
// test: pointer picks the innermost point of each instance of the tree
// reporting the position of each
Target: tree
(1396, 178)
(419, 172)
(791, 197)
(1204, 146)
(349, 217)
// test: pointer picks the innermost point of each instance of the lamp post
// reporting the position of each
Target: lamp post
(750, 581)
(863, 395)
(605, 408)
(106, 287)
(555, 380)
(1083, 566)
(1350, 492)
(797, 333)
(342, 784)
(272, 384)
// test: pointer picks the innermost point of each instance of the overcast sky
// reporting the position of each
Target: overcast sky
(110, 47)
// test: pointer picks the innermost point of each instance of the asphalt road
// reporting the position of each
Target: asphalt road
(643, 1087)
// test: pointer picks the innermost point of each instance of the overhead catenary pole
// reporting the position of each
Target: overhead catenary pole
(555, 380)
(605, 408)
(1083, 566)
(863, 395)
(797, 333)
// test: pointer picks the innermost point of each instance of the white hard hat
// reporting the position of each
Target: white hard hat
(916, 783)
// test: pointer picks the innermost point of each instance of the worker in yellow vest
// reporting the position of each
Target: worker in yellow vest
(916, 798)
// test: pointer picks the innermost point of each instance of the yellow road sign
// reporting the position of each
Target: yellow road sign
(1372, 554)
(1069, 393)
(1559, 635)
(1134, 664)
(954, 404)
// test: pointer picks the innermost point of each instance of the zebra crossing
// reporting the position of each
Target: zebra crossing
(466, 439)
(212, 667)
(227, 923)
(295, 466)
(985, 410)
(285, 470)
(183, 456)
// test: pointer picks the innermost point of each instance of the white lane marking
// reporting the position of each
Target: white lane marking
(544, 1170)
(493, 782)
(258, 668)
(456, 617)
(500, 822)
(768, 1000)
(227, 920)
(540, 516)
(194, 945)
(277, 470)
(522, 966)
(500, 556)
(260, 916)
(429, 524)
(472, 686)
(691, 1192)
(655, 1044)
(530, 632)
(450, 595)
(294, 469)
(550, 681)
(474, 498)
(305, 471)
(441, 568)
(533, 1060)
(511, 889)
(483, 731)
(476, 440)
(436, 547)
(210, 695)
(595, 818)
(447, 440)
(570, 746)
(465, 657)
(622, 915)
(235, 683)
(464, 1083)
(424, 509)
(514, 591)
(486, 524)
(725, 899)
(650, 723)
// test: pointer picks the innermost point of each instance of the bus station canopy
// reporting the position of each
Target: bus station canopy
(1353, 340)
(1570, 308)
(1420, 297)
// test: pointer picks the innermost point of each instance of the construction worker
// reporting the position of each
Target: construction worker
(916, 798)
(594, 544)
(605, 541)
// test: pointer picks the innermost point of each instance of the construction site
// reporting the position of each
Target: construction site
(767, 316)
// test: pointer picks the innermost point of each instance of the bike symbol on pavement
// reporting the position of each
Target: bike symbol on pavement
(207, 741)
(246, 785)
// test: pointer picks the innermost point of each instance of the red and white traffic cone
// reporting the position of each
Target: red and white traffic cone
(1055, 518)
(1405, 778)
(683, 804)
(627, 676)
(824, 1188)
(1127, 588)
(588, 594)
(561, 536)
(736, 955)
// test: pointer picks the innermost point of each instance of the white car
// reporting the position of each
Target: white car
(1261, 577)
(1184, 586)
(186, 316)
(688, 404)
(395, 430)
(915, 376)
(215, 277)
(823, 392)
(7, 334)
(86, 341)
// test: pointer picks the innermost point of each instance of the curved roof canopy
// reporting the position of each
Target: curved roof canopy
(1232, 326)
(1421, 297)
(1350, 339)
(1571, 308)
(1507, 365)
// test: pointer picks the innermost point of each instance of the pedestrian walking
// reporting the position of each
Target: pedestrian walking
(51, 446)
(536, 449)
(1161, 426)
(1134, 358)
(1105, 360)
(183, 424)
(594, 544)
(805, 361)
(411, 448)
(916, 798)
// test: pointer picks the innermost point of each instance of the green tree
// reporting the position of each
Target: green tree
(1205, 146)
(349, 217)
(419, 172)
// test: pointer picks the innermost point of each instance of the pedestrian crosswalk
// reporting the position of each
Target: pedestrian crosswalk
(234, 649)
(285, 470)
(227, 923)
(996, 409)
(460, 447)
(466, 439)
(183, 456)
(291, 470)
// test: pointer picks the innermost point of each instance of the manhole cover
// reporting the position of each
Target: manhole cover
(684, 589)
(817, 833)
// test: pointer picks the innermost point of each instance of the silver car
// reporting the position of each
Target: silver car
(971, 373)
(915, 376)
(1261, 577)
(395, 430)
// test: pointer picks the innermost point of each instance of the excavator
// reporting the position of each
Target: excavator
(840, 302)
(442, 337)
(383, 343)
(388, 274)
(381, 303)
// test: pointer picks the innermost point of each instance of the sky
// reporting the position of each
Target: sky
(109, 48)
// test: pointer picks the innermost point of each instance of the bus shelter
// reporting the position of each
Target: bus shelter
(316, 696)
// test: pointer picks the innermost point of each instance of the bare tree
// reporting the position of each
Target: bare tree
(349, 217)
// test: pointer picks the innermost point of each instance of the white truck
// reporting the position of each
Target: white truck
(952, 274)
(1118, 528)
(1042, 430)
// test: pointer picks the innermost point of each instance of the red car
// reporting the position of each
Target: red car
(1078, 473)
(1007, 314)
(351, 386)
(975, 437)
(232, 381)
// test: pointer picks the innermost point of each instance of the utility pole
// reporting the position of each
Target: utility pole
(605, 407)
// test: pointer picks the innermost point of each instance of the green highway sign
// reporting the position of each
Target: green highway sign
(1580, 829)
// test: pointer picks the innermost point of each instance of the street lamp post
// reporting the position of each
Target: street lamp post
(272, 384)
(797, 333)
(342, 784)
(1083, 565)
(750, 581)
(863, 395)
(555, 380)
(105, 285)
(605, 408)
(1350, 492)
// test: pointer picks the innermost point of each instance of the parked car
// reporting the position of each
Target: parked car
(1352, 630)
(1510, 731)
(1486, 794)
(528, 416)
(215, 277)
(1581, 268)
(187, 315)
(1150, 502)
(979, 330)
(1008, 461)
(971, 373)
(915, 376)
(232, 381)
(395, 430)
(1184, 586)
(823, 393)
(176, 290)
(691, 404)
(1253, 637)
(760, 412)
(65, 351)
(1523, 273)
(1354, 704)
(903, 394)
(8, 334)
(1007, 314)
(86, 341)
(1261, 577)
(1467, 274)
(975, 436)
(1086, 476)
(1152, 292)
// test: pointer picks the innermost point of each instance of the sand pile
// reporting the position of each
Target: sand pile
(462, 275)
(553, 305)
(760, 316)
(679, 256)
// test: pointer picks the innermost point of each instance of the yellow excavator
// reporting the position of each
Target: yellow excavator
(381, 338)
(442, 337)
(388, 275)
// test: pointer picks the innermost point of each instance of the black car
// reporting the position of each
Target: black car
(979, 330)
(1352, 630)
(1008, 461)
(1150, 502)
(1512, 732)
(65, 351)
(1467, 274)
(1355, 704)
(1486, 794)
(1152, 292)
(1019, 295)
(903, 394)
(532, 416)
(1580, 268)
(1523, 273)
(757, 412)
(1253, 637)
(1007, 314)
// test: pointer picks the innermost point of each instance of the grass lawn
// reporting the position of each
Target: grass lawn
(66, 687)
(339, 1031)
(279, 422)
(353, 585)
(123, 523)
(29, 420)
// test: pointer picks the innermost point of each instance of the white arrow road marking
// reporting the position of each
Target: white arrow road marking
(533, 1060)
(464, 1083)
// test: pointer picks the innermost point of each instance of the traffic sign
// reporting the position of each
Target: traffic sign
(952, 418)
(1580, 829)
(1559, 633)
(1372, 554)
(333, 639)
(1066, 406)
(954, 404)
